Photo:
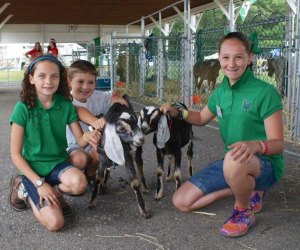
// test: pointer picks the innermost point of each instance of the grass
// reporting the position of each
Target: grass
(7, 76)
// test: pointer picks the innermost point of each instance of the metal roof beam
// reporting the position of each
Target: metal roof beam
(292, 5)
(158, 25)
(5, 21)
(4, 6)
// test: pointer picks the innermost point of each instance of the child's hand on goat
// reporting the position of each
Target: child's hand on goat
(93, 138)
(116, 98)
(167, 108)
(99, 123)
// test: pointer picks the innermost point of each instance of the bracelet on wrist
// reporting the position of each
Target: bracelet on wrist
(264, 147)
(185, 114)
(182, 114)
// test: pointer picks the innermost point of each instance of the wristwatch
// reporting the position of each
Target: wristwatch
(39, 182)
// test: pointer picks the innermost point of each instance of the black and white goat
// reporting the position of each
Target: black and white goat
(170, 135)
(121, 143)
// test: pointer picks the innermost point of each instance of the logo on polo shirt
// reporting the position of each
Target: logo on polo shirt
(246, 105)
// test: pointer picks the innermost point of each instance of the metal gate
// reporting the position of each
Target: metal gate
(151, 67)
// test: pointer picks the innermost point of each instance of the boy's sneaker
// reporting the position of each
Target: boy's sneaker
(13, 198)
(256, 201)
(238, 223)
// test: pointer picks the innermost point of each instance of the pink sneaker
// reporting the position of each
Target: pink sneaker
(256, 201)
(238, 223)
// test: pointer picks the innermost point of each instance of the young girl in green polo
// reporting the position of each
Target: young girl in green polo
(249, 113)
(38, 143)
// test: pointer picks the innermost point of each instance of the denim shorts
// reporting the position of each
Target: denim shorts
(53, 179)
(211, 178)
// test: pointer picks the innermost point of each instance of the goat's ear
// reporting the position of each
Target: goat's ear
(112, 144)
(163, 132)
(139, 123)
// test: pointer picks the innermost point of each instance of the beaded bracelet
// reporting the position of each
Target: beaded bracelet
(264, 147)
(185, 114)
(182, 114)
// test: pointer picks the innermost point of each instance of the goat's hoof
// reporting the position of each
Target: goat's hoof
(157, 197)
(145, 191)
(146, 215)
(91, 206)
(170, 178)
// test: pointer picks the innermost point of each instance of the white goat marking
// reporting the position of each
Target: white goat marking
(126, 126)
(125, 115)
(150, 109)
(155, 113)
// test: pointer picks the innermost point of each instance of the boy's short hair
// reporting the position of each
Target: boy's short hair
(82, 66)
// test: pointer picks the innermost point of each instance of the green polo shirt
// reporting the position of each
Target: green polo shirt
(241, 110)
(44, 141)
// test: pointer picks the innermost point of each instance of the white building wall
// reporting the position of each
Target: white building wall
(63, 33)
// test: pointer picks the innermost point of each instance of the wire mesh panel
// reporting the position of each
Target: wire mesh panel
(268, 63)
(269, 60)
(150, 66)
(206, 69)
(292, 75)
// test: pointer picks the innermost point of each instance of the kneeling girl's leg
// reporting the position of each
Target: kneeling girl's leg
(203, 188)
(69, 179)
(49, 216)
(240, 176)
(266, 177)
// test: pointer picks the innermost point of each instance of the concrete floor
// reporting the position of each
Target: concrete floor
(116, 224)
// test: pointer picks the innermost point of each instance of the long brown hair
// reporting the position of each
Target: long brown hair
(28, 92)
(40, 47)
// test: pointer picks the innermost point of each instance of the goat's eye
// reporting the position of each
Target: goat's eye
(121, 130)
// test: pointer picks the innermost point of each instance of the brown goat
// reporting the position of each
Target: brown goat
(276, 66)
(209, 71)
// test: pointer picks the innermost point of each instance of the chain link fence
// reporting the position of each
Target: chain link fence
(267, 65)
(151, 67)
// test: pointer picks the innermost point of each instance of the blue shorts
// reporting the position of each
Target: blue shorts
(53, 179)
(211, 178)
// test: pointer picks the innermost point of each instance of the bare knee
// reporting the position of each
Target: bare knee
(78, 184)
(233, 170)
(51, 218)
(54, 225)
(78, 159)
(73, 182)
(179, 203)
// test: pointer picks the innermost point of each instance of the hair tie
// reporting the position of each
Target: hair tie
(254, 43)
(44, 58)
